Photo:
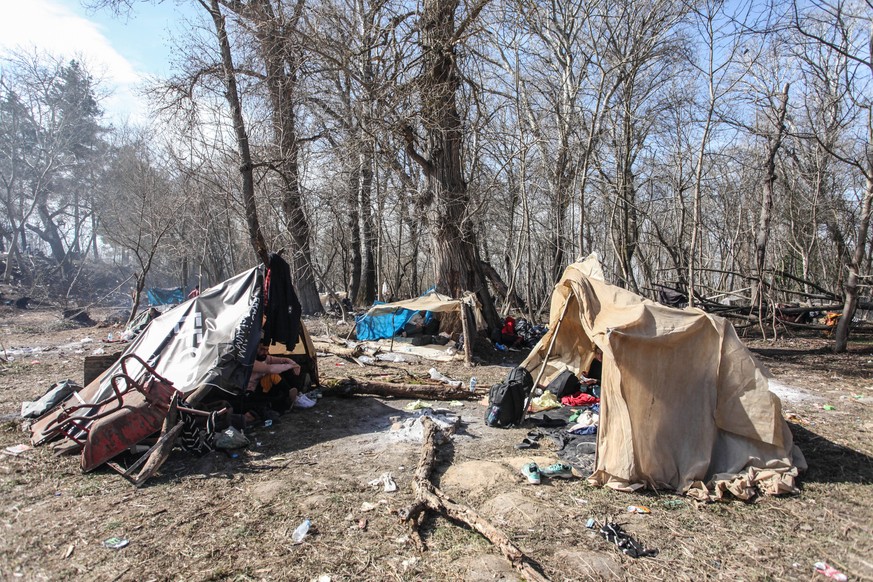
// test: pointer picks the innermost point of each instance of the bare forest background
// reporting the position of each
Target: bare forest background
(723, 150)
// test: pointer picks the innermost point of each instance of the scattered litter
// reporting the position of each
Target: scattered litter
(638, 509)
(230, 438)
(436, 375)
(579, 501)
(545, 402)
(412, 428)
(590, 523)
(826, 569)
(828, 407)
(473, 382)
(362, 524)
(98, 352)
(391, 358)
(402, 540)
(69, 551)
(613, 533)
(418, 405)
(116, 543)
(16, 450)
(673, 504)
(367, 506)
(35, 363)
(456, 404)
(366, 360)
(322, 578)
(301, 531)
(795, 418)
(386, 481)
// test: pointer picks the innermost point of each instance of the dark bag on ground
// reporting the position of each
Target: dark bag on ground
(506, 399)
(564, 384)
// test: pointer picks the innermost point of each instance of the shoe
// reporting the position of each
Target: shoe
(558, 471)
(303, 401)
(532, 472)
(527, 444)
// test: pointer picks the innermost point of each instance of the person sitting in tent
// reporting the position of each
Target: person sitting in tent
(591, 378)
(268, 394)
(415, 325)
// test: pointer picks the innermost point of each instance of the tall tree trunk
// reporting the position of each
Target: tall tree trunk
(762, 236)
(280, 52)
(368, 238)
(354, 232)
(256, 237)
(850, 293)
(454, 238)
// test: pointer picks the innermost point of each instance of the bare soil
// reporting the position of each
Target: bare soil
(217, 518)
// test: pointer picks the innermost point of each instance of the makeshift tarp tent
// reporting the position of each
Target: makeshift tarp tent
(456, 317)
(386, 320)
(684, 404)
(171, 296)
(208, 342)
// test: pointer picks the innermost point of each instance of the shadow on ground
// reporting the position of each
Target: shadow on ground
(830, 462)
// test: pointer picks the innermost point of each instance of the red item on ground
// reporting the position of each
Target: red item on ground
(580, 399)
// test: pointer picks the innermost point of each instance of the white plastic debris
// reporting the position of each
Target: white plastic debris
(437, 375)
(386, 482)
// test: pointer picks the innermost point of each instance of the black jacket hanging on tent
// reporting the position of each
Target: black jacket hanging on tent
(283, 307)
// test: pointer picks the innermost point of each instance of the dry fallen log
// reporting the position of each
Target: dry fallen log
(349, 386)
(336, 350)
(431, 497)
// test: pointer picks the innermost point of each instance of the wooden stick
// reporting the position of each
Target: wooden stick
(435, 500)
(545, 359)
(468, 336)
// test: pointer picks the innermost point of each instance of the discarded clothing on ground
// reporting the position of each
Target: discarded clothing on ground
(613, 533)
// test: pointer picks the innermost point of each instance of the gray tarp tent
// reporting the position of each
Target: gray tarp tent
(206, 343)
(684, 405)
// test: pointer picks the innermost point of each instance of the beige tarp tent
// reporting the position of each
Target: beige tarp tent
(434, 302)
(684, 404)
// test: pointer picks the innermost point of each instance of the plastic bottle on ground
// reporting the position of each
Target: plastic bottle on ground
(473, 382)
(301, 532)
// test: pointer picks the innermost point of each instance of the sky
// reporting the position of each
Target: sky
(120, 51)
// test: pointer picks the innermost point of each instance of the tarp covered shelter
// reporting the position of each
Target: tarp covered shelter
(387, 319)
(206, 343)
(172, 296)
(684, 404)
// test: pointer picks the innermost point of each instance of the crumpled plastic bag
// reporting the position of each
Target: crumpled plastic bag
(230, 438)
(545, 402)
(440, 377)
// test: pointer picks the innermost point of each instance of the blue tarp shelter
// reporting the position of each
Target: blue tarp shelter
(165, 296)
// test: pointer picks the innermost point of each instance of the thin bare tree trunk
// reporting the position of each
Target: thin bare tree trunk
(246, 168)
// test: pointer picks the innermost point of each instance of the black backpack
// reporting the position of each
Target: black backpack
(506, 399)
(564, 384)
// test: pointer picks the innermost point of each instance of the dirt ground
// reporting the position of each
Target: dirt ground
(217, 518)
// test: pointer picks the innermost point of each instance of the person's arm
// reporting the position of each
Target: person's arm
(278, 365)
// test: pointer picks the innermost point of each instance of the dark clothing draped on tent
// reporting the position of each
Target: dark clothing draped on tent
(283, 308)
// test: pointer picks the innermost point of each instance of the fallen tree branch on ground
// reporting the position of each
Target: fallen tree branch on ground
(349, 386)
(430, 497)
(336, 350)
